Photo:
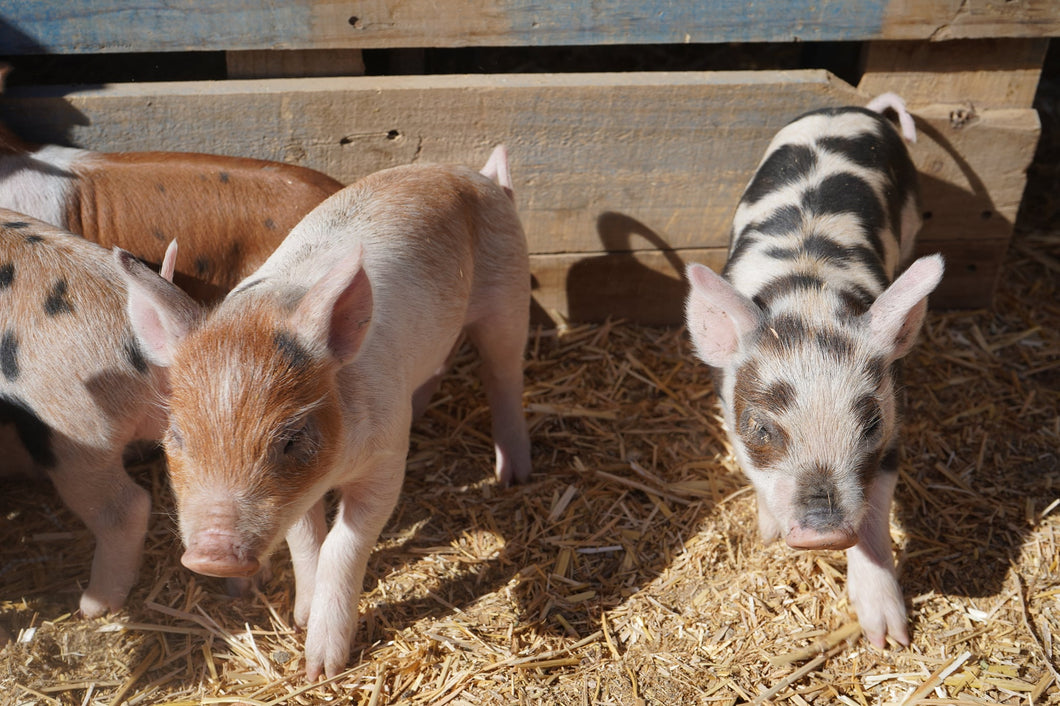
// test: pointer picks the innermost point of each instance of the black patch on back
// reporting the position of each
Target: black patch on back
(34, 239)
(224, 177)
(15, 225)
(7, 274)
(867, 149)
(785, 165)
(848, 193)
(293, 351)
(34, 434)
(9, 356)
(786, 284)
(270, 224)
(157, 234)
(743, 246)
(57, 301)
(135, 355)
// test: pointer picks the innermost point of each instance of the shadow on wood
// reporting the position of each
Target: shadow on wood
(617, 284)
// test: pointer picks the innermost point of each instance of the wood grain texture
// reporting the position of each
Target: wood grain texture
(986, 73)
(608, 168)
(83, 26)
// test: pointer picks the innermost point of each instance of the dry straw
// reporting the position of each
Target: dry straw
(628, 570)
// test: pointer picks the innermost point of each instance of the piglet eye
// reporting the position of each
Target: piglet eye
(757, 429)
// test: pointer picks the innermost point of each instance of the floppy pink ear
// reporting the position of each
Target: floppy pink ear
(338, 309)
(896, 316)
(718, 316)
(159, 312)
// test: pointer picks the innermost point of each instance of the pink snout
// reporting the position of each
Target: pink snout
(800, 537)
(218, 555)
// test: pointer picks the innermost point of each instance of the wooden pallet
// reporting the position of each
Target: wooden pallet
(620, 178)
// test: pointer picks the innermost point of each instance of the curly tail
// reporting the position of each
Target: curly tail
(892, 101)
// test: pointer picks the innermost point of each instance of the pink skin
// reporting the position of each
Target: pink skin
(104, 403)
(331, 343)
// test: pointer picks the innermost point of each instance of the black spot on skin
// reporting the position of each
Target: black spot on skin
(224, 177)
(34, 239)
(779, 287)
(158, 235)
(848, 193)
(15, 225)
(34, 434)
(867, 412)
(778, 396)
(785, 165)
(270, 224)
(7, 274)
(853, 302)
(202, 266)
(57, 301)
(293, 351)
(135, 355)
(891, 459)
(9, 356)
(743, 246)
(161, 188)
(835, 344)
(786, 219)
(867, 149)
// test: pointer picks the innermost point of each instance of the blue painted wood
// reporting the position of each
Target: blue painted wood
(86, 26)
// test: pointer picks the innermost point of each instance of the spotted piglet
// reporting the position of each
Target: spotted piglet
(75, 389)
(805, 329)
(303, 379)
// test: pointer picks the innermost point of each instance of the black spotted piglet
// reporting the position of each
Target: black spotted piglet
(75, 389)
(805, 329)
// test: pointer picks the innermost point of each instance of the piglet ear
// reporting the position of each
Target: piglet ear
(169, 261)
(160, 313)
(338, 308)
(718, 316)
(897, 314)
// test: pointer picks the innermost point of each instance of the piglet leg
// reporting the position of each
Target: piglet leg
(115, 510)
(871, 580)
(501, 341)
(304, 540)
(364, 508)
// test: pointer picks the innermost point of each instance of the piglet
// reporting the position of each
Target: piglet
(805, 330)
(303, 379)
(75, 389)
(229, 213)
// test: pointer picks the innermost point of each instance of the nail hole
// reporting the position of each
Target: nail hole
(986, 215)
(393, 135)
(345, 140)
(972, 267)
(928, 215)
(355, 22)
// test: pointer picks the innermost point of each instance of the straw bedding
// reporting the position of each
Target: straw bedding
(628, 571)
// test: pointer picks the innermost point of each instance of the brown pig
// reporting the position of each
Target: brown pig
(229, 213)
(75, 389)
(303, 380)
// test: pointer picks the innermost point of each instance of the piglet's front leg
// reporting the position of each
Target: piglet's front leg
(871, 580)
(363, 510)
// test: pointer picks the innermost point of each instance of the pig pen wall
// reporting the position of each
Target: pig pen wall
(630, 134)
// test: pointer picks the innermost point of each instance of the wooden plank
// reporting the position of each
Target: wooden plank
(647, 287)
(675, 149)
(987, 73)
(86, 26)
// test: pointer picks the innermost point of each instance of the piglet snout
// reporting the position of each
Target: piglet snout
(800, 537)
(217, 554)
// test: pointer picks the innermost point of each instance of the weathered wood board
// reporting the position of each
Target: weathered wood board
(84, 26)
(645, 163)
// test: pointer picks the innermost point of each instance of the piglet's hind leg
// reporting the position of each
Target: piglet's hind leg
(115, 510)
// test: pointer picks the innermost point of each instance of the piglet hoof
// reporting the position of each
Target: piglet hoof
(327, 646)
(94, 605)
(881, 612)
